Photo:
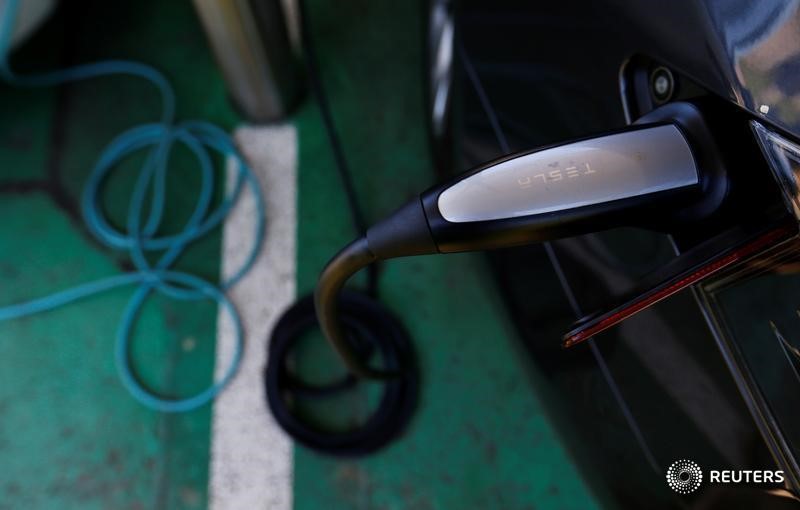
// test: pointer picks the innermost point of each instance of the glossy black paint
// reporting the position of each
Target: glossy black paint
(552, 71)
(745, 51)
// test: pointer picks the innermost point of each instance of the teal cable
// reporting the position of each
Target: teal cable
(141, 231)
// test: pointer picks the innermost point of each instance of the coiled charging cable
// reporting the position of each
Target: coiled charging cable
(141, 235)
(369, 328)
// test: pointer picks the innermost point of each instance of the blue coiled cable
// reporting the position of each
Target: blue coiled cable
(141, 234)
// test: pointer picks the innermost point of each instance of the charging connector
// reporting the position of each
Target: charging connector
(658, 174)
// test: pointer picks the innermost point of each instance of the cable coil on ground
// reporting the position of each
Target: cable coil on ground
(370, 327)
(141, 236)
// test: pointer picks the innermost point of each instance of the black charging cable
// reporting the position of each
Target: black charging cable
(369, 329)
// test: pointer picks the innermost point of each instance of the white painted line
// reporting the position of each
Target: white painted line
(251, 457)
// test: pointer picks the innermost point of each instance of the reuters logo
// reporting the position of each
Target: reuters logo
(684, 476)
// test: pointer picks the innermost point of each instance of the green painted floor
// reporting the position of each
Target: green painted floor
(70, 437)
(480, 438)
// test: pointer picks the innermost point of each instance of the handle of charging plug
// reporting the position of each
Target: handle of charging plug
(657, 192)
